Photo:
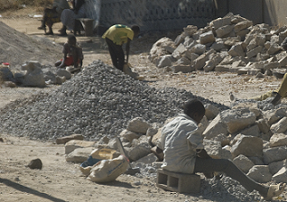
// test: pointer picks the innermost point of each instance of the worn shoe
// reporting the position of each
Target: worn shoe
(275, 190)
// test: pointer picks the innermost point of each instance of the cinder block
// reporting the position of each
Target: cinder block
(178, 182)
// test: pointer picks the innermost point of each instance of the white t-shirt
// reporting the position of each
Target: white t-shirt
(181, 138)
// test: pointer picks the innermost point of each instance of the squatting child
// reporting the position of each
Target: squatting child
(73, 54)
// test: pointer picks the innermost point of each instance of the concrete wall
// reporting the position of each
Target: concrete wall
(272, 12)
(275, 12)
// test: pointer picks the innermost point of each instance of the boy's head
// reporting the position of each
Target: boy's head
(72, 40)
(194, 109)
(136, 30)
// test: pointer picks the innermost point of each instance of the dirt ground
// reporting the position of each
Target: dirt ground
(61, 181)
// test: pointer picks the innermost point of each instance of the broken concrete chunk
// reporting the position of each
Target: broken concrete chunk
(274, 154)
(206, 38)
(278, 139)
(260, 173)
(138, 125)
(248, 146)
(243, 163)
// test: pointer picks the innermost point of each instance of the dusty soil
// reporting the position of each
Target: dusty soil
(62, 181)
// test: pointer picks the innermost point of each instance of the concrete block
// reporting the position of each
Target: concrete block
(178, 182)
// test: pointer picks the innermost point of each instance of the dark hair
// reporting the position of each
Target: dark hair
(72, 38)
(136, 29)
(193, 106)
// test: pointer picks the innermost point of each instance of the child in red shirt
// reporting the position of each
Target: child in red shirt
(73, 54)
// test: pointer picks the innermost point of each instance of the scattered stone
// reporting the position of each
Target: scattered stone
(35, 164)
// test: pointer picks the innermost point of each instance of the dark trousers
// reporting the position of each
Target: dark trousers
(117, 54)
(209, 165)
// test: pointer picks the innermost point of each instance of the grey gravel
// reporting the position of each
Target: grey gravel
(97, 102)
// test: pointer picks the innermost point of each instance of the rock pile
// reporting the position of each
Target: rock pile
(98, 101)
(231, 43)
(252, 136)
(34, 74)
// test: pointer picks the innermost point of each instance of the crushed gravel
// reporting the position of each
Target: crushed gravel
(99, 101)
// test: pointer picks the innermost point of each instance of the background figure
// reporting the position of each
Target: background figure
(115, 37)
(68, 16)
(73, 54)
(53, 15)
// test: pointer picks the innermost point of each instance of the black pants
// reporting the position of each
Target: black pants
(117, 54)
(209, 165)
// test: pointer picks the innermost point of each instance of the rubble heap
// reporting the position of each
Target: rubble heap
(251, 134)
(97, 101)
(231, 44)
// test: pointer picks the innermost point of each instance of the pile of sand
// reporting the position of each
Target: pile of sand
(16, 48)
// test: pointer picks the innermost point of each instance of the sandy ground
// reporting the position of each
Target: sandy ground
(61, 181)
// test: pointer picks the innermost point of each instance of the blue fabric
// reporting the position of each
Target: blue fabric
(90, 162)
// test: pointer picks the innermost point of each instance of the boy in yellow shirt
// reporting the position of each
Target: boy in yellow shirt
(115, 37)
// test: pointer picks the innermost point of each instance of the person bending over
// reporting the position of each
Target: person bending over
(184, 152)
(115, 37)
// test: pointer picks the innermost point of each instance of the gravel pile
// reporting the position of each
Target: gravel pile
(97, 102)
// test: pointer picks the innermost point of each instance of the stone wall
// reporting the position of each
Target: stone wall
(158, 15)
(272, 12)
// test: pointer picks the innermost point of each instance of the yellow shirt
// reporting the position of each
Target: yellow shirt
(119, 34)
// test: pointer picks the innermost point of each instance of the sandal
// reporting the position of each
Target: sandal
(275, 190)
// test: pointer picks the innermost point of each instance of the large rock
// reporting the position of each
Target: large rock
(138, 125)
(242, 25)
(64, 140)
(211, 111)
(274, 167)
(280, 176)
(206, 38)
(243, 163)
(34, 76)
(236, 50)
(224, 31)
(274, 154)
(263, 125)
(237, 119)
(64, 73)
(215, 128)
(198, 49)
(251, 131)
(280, 126)
(165, 61)
(248, 146)
(260, 173)
(220, 22)
(214, 60)
(79, 155)
(199, 62)
(274, 116)
(139, 151)
(129, 135)
(278, 139)
(160, 48)
(74, 144)
(179, 51)
(213, 148)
